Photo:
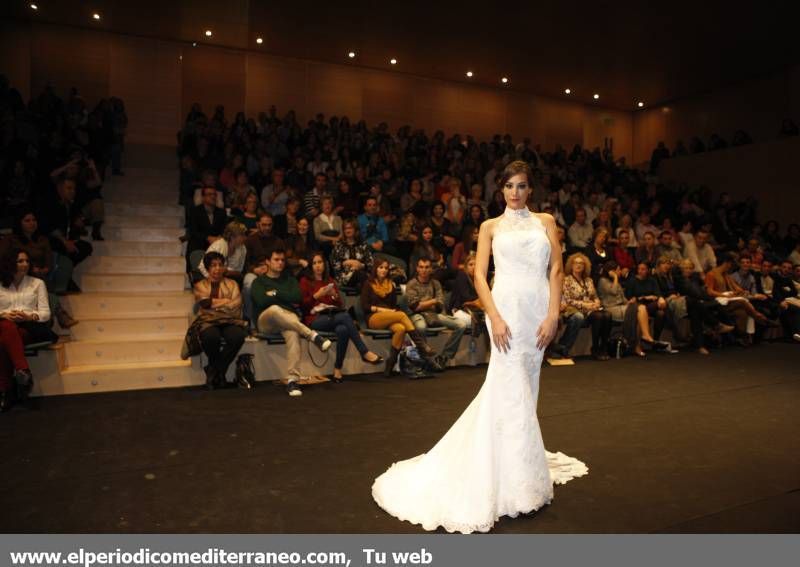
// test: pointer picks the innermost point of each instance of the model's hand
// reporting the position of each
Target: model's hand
(547, 332)
(501, 334)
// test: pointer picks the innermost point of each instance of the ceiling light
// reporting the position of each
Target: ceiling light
(595, 96)
(34, 7)
(96, 16)
(567, 91)
(351, 54)
(259, 40)
(504, 80)
(208, 33)
(393, 61)
(469, 73)
(640, 104)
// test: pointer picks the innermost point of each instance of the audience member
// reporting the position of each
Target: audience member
(379, 301)
(206, 222)
(231, 247)
(643, 289)
(323, 311)
(276, 301)
(581, 303)
(701, 308)
(219, 320)
(24, 312)
(425, 298)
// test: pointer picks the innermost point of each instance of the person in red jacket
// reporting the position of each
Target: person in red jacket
(323, 310)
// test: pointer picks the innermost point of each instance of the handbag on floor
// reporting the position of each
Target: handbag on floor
(246, 369)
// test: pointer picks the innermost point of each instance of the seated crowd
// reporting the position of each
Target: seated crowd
(284, 221)
(338, 208)
(54, 157)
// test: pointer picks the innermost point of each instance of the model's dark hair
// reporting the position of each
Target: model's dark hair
(517, 167)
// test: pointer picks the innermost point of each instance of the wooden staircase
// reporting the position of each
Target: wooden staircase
(135, 306)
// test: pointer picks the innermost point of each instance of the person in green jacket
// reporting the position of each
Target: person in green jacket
(276, 300)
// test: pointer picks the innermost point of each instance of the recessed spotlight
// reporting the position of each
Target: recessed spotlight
(640, 104)
(34, 7)
(208, 33)
(504, 80)
(469, 73)
(595, 96)
(96, 16)
(393, 61)
(567, 91)
(259, 40)
(352, 54)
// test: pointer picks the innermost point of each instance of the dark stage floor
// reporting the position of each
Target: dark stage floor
(679, 443)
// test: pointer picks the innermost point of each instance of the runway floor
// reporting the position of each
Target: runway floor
(680, 443)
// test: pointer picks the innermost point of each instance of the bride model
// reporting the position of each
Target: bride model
(492, 461)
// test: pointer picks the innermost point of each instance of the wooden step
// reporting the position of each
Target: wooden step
(112, 351)
(140, 171)
(166, 184)
(131, 328)
(133, 265)
(136, 209)
(132, 282)
(132, 248)
(174, 221)
(143, 234)
(94, 378)
(120, 305)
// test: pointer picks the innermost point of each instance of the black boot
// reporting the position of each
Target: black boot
(422, 344)
(390, 361)
(96, 231)
(212, 379)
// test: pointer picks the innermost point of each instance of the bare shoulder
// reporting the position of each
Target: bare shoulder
(487, 226)
(546, 218)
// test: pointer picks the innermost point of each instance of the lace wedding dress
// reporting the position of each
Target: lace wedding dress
(492, 461)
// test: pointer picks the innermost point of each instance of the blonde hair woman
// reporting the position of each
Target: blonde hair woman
(232, 248)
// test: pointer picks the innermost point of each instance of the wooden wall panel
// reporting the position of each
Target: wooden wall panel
(159, 88)
(275, 81)
(562, 122)
(333, 89)
(211, 77)
(600, 125)
(483, 112)
(67, 57)
(15, 56)
(146, 74)
(521, 120)
(757, 106)
(385, 98)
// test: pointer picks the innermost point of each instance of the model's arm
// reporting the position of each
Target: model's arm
(501, 334)
(549, 327)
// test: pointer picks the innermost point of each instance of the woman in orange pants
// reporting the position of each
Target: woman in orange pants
(379, 300)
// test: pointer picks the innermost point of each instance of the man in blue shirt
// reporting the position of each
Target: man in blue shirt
(375, 234)
(372, 227)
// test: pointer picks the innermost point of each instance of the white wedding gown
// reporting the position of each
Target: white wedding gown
(492, 461)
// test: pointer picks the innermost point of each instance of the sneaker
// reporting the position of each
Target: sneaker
(796, 337)
(293, 389)
(321, 343)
